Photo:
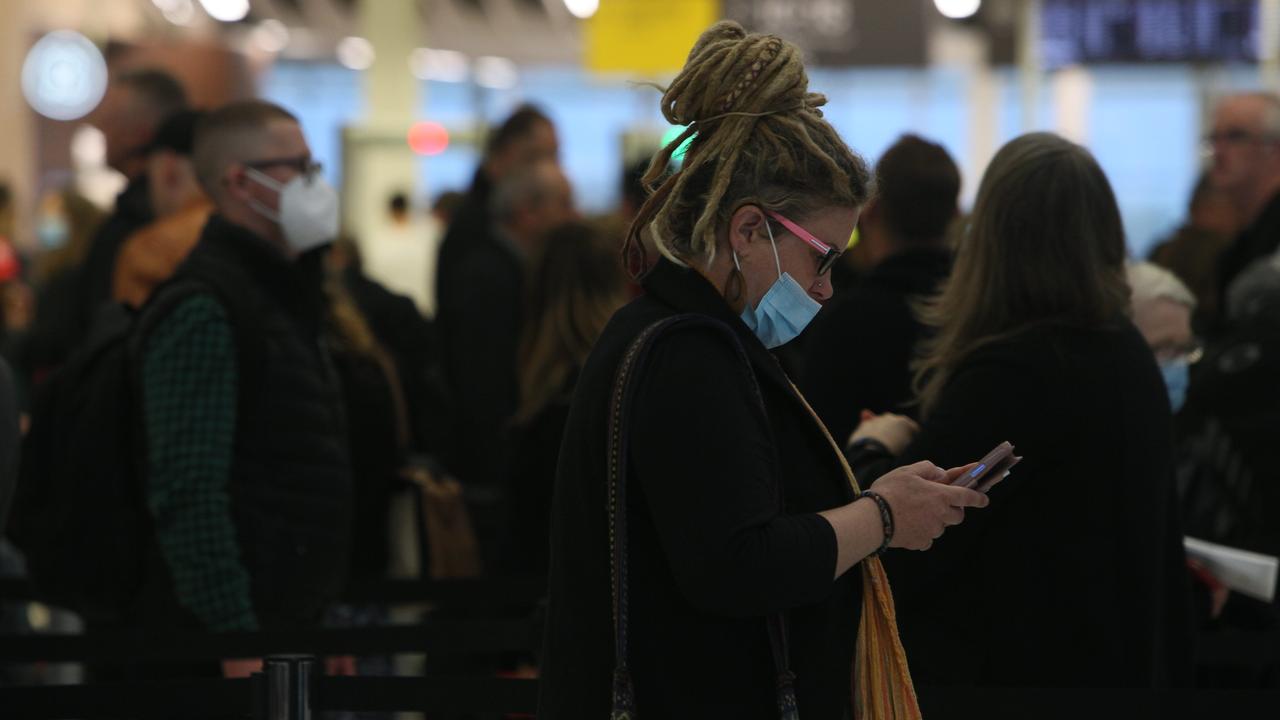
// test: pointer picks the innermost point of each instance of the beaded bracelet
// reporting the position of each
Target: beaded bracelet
(886, 517)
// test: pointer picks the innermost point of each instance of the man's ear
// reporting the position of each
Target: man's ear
(235, 182)
(744, 224)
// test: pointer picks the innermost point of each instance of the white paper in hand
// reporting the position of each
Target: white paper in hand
(1247, 573)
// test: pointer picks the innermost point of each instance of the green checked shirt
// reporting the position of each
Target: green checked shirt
(189, 401)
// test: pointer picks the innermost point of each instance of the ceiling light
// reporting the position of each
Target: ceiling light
(355, 53)
(439, 65)
(496, 73)
(178, 12)
(271, 35)
(958, 9)
(582, 9)
(64, 75)
(226, 10)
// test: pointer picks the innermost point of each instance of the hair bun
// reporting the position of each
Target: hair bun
(725, 30)
(731, 71)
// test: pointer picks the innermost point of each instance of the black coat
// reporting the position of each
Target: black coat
(68, 302)
(535, 454)
(133, 210)
(860, 356)
(480, 290)
(1074, 575)
(711, 555)
(415, 346)
(1259, 240)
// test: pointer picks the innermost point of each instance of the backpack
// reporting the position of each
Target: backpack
(79, 513)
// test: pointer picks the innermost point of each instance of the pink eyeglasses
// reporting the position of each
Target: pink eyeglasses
(829, 254)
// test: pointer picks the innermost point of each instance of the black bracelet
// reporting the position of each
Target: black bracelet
(886, 517)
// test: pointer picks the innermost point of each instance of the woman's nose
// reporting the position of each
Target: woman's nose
(821, 289)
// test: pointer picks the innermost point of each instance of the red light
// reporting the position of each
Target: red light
(428, 138)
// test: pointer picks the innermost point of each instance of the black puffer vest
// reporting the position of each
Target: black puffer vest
(291, 478)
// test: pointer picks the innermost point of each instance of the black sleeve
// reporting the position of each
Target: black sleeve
(829, 381)
(482, 359)
(986, 402)
(704, 460)
(858, 361)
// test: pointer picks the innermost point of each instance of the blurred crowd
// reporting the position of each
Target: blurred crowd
(226, 419)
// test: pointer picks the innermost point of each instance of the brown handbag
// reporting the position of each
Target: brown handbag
(451, 540)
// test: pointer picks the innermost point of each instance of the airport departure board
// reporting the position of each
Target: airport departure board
(1132, 31)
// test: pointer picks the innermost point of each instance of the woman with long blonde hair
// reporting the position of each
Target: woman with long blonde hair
(574, 287)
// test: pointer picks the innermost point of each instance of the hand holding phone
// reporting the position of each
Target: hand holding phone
(990, 470)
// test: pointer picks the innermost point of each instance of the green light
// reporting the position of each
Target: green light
(677, 157)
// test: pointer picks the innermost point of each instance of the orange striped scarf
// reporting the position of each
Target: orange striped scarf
(882, 687)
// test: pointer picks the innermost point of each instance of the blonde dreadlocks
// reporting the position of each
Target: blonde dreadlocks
(758, 137)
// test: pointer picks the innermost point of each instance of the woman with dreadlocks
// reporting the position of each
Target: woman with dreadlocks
(705, 525)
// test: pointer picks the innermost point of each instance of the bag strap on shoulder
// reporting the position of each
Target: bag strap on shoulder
(624, 388)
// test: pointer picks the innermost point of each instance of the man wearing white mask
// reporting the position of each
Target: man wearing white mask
(247, 476)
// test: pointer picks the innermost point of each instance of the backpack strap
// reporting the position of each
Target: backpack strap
(624, 387)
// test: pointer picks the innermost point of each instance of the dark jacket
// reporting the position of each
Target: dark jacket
(1074, 575)
(711, 554)
(479, 283)
(860, 356)
(414, 344)
(291, 486)
(132, 212)
(67, 304)
(535, 455)
(1260, 239)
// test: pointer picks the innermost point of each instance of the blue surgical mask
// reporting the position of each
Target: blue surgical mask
(52, 232)
(784, 311)
(1177, 376)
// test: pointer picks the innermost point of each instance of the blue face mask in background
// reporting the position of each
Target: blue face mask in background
(52, 232)
(784, 311)
(1177, 376)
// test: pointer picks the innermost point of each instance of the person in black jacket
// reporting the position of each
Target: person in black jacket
(479, 286)
(247, 465)
(739, 513)
(575, 286)
(1075, 576)
(904, 231)
(136, 104)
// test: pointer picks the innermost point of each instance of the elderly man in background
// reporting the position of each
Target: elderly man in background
(1245, 143)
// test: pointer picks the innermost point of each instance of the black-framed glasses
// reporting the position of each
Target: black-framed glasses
(1237, 136)
(304, 164)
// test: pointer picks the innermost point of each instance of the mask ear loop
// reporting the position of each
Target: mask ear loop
(270, 183)
(774, 244)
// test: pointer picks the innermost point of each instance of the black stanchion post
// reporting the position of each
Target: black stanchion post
(288, 687)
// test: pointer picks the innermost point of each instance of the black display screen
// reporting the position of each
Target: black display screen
(1122, 31)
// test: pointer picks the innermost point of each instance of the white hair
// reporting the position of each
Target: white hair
(1150, 282)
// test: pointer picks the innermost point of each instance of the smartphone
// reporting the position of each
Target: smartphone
(990, 469)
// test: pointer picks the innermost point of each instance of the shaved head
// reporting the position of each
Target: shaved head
(237, 133)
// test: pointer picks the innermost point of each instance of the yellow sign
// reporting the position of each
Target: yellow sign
(646, 37)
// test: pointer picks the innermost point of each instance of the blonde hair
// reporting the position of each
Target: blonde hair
(350, 332)
(574, 288)
(758, 137)
(1045, 245)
